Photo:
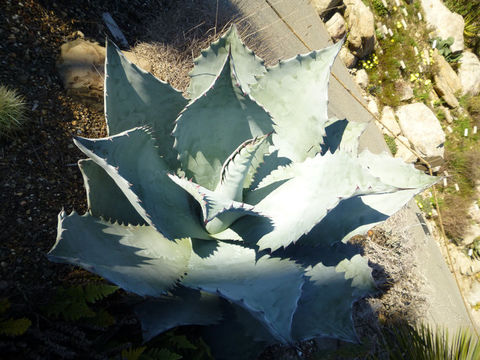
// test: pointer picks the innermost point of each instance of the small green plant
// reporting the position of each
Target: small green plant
(402, 341)
(170, 346)
(426, 204)
(443, 47)
(10, 326)
(473, 249)
(379, 8)
(392, 146)
(12, 112)
(72, 303)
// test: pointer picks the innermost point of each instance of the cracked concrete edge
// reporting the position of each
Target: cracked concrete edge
(272, 39)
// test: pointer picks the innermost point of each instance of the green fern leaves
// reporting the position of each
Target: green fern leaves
(11, 326)
(72, 303)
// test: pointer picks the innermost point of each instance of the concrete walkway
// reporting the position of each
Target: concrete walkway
(280, 29)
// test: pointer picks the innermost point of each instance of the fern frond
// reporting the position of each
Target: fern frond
(160, 354)
(14, 327)
(180, 342)
(98, 291)
(133, 353)
(4, 305)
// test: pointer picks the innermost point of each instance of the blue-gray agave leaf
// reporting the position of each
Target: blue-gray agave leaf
(134, 97)
(210, 63)
(212, 126)
(255, 245)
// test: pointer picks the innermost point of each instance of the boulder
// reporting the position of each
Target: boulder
(81, 67)
(469, 73)
(422, 128)
(360, 20)
(361, 78)
(447, 113)
(403, 90)
(324, 6)
(336, 27)
(388, 119)
(348, 58)
(402, 151)
(446, 81)
(372, 106)
(445, 23)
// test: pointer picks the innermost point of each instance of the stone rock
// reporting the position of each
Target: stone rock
(469, 73)
(446, 81)
(403, 152)
(336, 27)
(348, 58)
(373, 107)
(403, 90)
(422, 128)
(361, 78)
(465, 265)
(445, 23)
(81, 68)
(360, 20)
(474, 294)
(324, 6)
(447, 113)
(388, 119)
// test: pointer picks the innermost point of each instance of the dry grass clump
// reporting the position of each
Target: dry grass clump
(465, 168)
(473, 107)
(12, 112)
(172, 49)
(454, 216)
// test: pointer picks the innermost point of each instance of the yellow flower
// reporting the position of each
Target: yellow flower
(394, 8)
(399, 25)
(392, 40)
(428, 82)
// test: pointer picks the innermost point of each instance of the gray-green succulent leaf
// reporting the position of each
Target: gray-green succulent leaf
(210, 63)
(134, 97)
(254, 246)
(299, 120)
(213, 125)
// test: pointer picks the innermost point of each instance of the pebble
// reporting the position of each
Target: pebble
(3, 264)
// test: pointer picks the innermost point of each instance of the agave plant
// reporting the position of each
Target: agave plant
(233, 208)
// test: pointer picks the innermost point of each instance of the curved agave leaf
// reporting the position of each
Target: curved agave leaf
(218, 211)
(184, 307)
(238, 166)
(325, 308)
(270, 163)
(343, 135)
(268, 288)
(358, 270)
(209, 64)
(371, 209)
(130, 256)
(395, 172)
(145, 182)
(319, 184)
(134, 97)
(277, 91)
(104, 198)
(212, 126)
(239, 337)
